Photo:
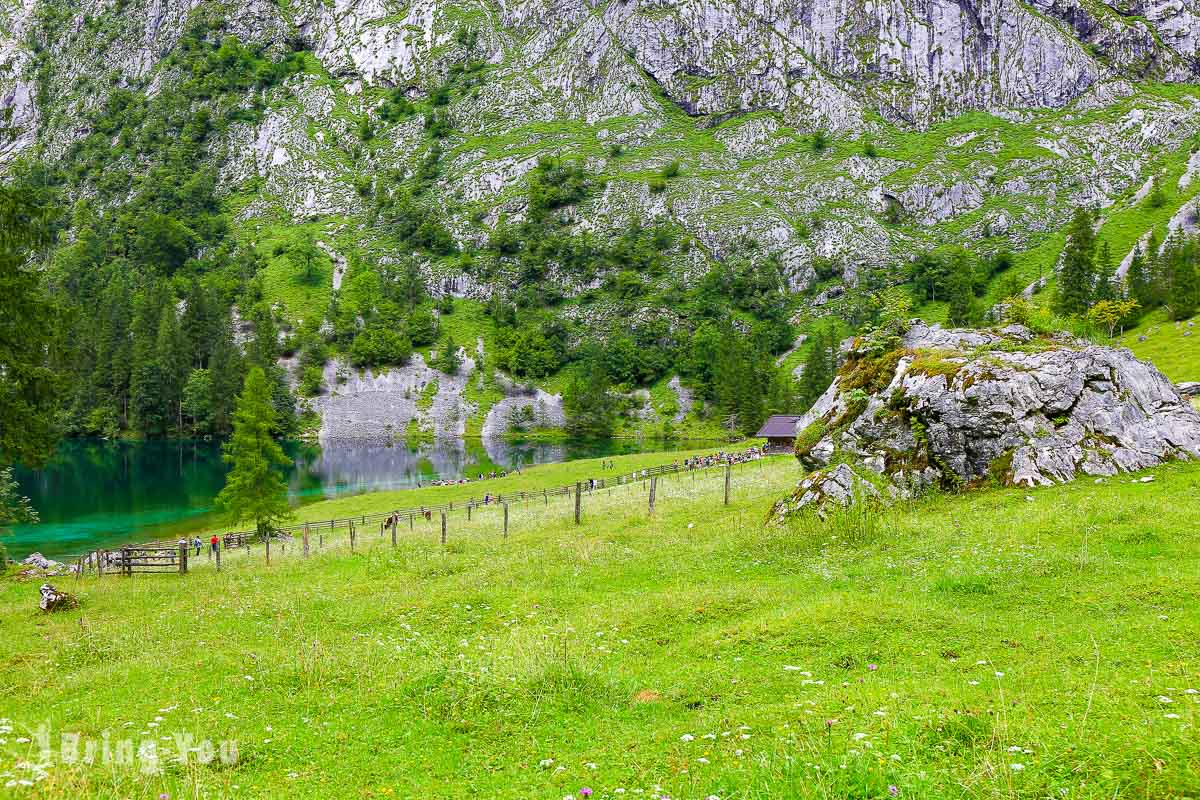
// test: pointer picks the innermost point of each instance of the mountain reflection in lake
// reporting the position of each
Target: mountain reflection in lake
(104, 494)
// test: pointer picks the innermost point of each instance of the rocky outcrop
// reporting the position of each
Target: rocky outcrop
(36, 565)
(960, 407)
(55, 600)
(823, 489)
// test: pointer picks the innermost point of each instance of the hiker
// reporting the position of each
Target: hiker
(198, 545)
(214, 543)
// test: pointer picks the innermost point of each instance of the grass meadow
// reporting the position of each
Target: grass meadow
(1002, 644)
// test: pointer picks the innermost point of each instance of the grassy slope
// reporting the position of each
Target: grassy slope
(1054, 625)
(1178, 356)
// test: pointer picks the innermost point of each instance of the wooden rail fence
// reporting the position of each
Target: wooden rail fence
(165, 557)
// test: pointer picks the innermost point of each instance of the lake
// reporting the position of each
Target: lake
(104, 494)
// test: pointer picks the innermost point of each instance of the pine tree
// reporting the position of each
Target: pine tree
(263, 349)
(173, 359)
(200, 324)
(149, 392)
(1106, 274)
(1138, 278)
(1155, 274)
(817, 374)
(448, 360)
(226, 375)
(1185, 289)
(1077, 276)
(255, 490)
(960, 292)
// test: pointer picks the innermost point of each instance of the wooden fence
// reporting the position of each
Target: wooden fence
(162, 556)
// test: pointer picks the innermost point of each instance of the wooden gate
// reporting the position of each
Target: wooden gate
(150, 559)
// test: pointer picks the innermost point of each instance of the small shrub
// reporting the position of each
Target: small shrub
(671, 170)
(657, 185)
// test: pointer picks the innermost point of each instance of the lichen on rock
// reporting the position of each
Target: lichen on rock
(965, 407)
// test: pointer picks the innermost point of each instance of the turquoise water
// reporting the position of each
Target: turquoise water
(105, 494)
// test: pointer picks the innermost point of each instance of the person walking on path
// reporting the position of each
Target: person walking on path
(214, 543)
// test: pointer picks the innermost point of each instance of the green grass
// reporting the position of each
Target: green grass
(282, 278)
(930, 647)
(1178, 356)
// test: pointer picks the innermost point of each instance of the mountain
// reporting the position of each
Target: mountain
(589, 161)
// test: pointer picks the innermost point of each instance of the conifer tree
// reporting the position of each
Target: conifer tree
(448, 360)
(817, 373)
(1077, 277)
(960, 292)
(1185, 288)
(1138, 278)
(173, 359)
(226, 376)
(29, 387)
(255, 490)
(1106, 274)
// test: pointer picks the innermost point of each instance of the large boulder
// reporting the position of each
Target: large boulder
(956, 407)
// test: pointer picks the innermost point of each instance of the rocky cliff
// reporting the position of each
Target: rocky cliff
(831, 136)
(732, 89)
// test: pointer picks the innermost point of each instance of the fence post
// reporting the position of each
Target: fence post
(351, 536)
(183, 556)
(218, 556)
(410, 522)
(126, 567)
(443, 527)
(320, 541)
(506, 520)
(468, 511)
(268, 549)
(100, 559)
(306, 541)
(546, 496)
(395, 524)
(653, 491)
(578, 489)
(728, 467)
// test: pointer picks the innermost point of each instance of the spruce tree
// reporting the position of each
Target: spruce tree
(1185, 289)
(29, 386)
(817, 374)
(1106, 274)
(448, 360)
(173, 360)
(226, 376)
(1077, 277)
(1138, 278)
(255, 490)
(960, 292)
(200, 324)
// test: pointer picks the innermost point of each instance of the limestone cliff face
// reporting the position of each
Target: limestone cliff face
(730, 88)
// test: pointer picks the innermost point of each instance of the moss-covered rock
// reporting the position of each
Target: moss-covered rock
(961, 408)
